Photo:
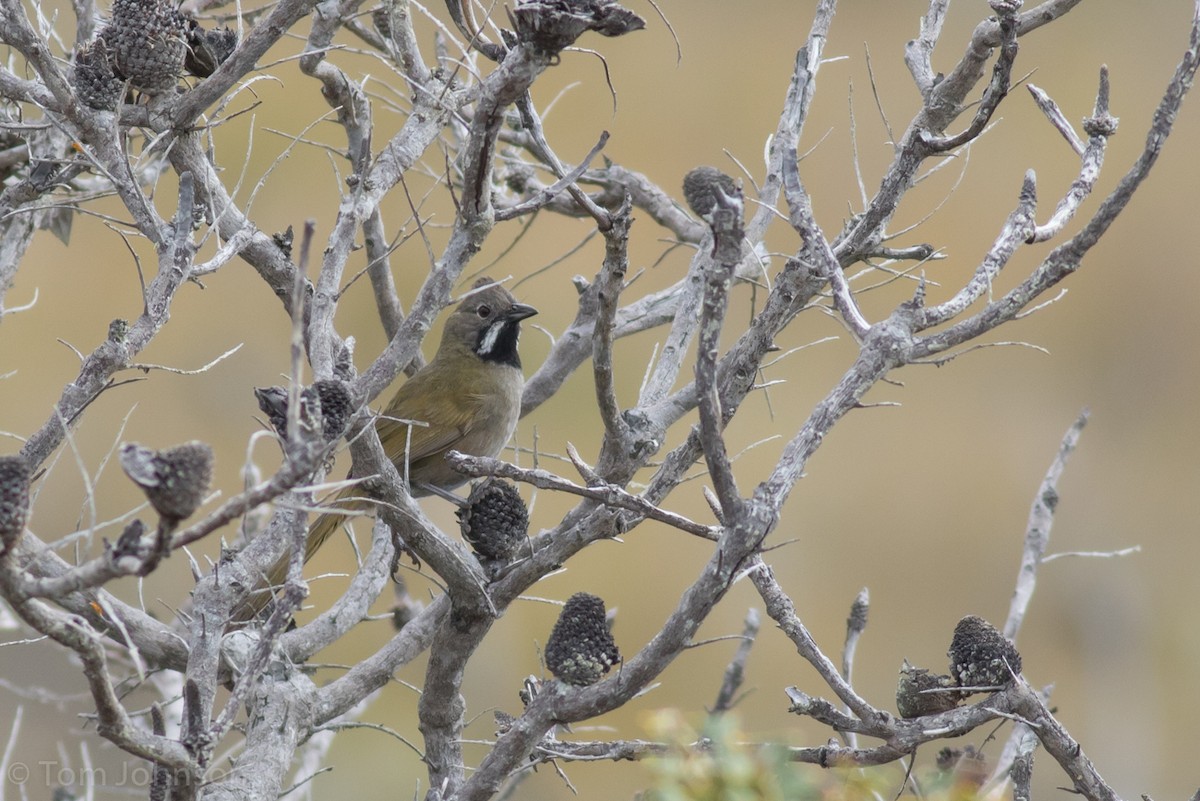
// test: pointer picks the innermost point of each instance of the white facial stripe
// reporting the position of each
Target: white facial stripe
(488, 343)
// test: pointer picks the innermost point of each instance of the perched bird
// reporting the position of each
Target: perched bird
(467, 399)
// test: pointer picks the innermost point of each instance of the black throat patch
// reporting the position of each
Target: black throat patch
(497, 343)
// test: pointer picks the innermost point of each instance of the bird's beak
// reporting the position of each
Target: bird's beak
(520, 311)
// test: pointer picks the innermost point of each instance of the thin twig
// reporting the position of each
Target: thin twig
(1037, 530)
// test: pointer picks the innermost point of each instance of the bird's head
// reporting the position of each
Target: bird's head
(488, 324)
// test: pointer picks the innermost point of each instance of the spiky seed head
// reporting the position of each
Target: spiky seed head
(14, 499)
(95, 82)
(704, 187)
(581, 648)
(147, 40)
(175, 480)
(980, 656)
(494, 521)
(919, 692)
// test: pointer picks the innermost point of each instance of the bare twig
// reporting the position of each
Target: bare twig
(605, 493)
(1037, 530)
(608, 287)
(1099, 127)
(735, 671)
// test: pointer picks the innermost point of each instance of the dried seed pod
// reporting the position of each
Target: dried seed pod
(274, 403)
(175, 480)
(856, 623)
(581, 648)
(147, 40)
(97, 85)
(552, 25)
(337, 407)
(919, 692)
(980, 656)
(494, 521)
(704, 188)
(129, 544)
(327, 400)
(14, 499)
(207, 49)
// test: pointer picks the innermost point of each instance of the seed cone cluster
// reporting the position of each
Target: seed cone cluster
(327, 401)
(981, 660)
(147, 45)
(147, 40)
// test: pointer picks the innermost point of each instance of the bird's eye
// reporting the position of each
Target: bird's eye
(484, 311)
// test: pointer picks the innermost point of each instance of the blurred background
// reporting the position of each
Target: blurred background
(922, 500)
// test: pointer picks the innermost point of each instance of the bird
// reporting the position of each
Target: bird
(467, 399)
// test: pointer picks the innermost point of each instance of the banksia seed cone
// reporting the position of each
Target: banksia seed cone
(495, 521)
(703, 187)
(147, 40)
(327, 400)
(14, 499)
(95, 82)
(175, 480)
(581, 648)
(207, 50)
(980, 656)
(919, 692)
(336, 406)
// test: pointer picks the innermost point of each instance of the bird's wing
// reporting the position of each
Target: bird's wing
(421, 440)
(448, 416)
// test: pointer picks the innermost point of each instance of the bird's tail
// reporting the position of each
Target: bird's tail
(349, 499)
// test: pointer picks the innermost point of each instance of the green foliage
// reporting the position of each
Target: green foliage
(716, 764)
